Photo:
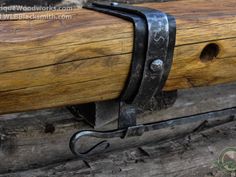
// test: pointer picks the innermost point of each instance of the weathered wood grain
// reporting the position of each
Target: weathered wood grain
(47, 63)
(194, 155)
(39, 138)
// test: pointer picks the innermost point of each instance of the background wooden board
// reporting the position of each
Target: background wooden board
(194, 155)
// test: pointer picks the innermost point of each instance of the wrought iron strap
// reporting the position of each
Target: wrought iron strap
(154, 42)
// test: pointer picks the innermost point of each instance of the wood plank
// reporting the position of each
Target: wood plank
(48, 63)
(40, 138)
(193, 155)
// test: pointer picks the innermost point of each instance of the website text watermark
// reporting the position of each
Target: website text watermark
(35, 17)
(18, 8)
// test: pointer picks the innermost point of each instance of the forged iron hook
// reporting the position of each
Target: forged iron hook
(138, 130)
(99, 147)
(103, 145)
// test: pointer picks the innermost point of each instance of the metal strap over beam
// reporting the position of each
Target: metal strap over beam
(153, 48)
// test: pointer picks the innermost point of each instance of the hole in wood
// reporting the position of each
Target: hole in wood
(209, 52)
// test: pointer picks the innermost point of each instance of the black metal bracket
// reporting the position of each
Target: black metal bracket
(154, 42)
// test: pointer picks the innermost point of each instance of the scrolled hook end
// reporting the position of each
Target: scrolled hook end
(76, 138)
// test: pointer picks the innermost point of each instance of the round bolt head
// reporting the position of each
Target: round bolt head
(114, 3)
(156, 65)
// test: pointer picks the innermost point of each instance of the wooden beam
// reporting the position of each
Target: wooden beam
(48, 63)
